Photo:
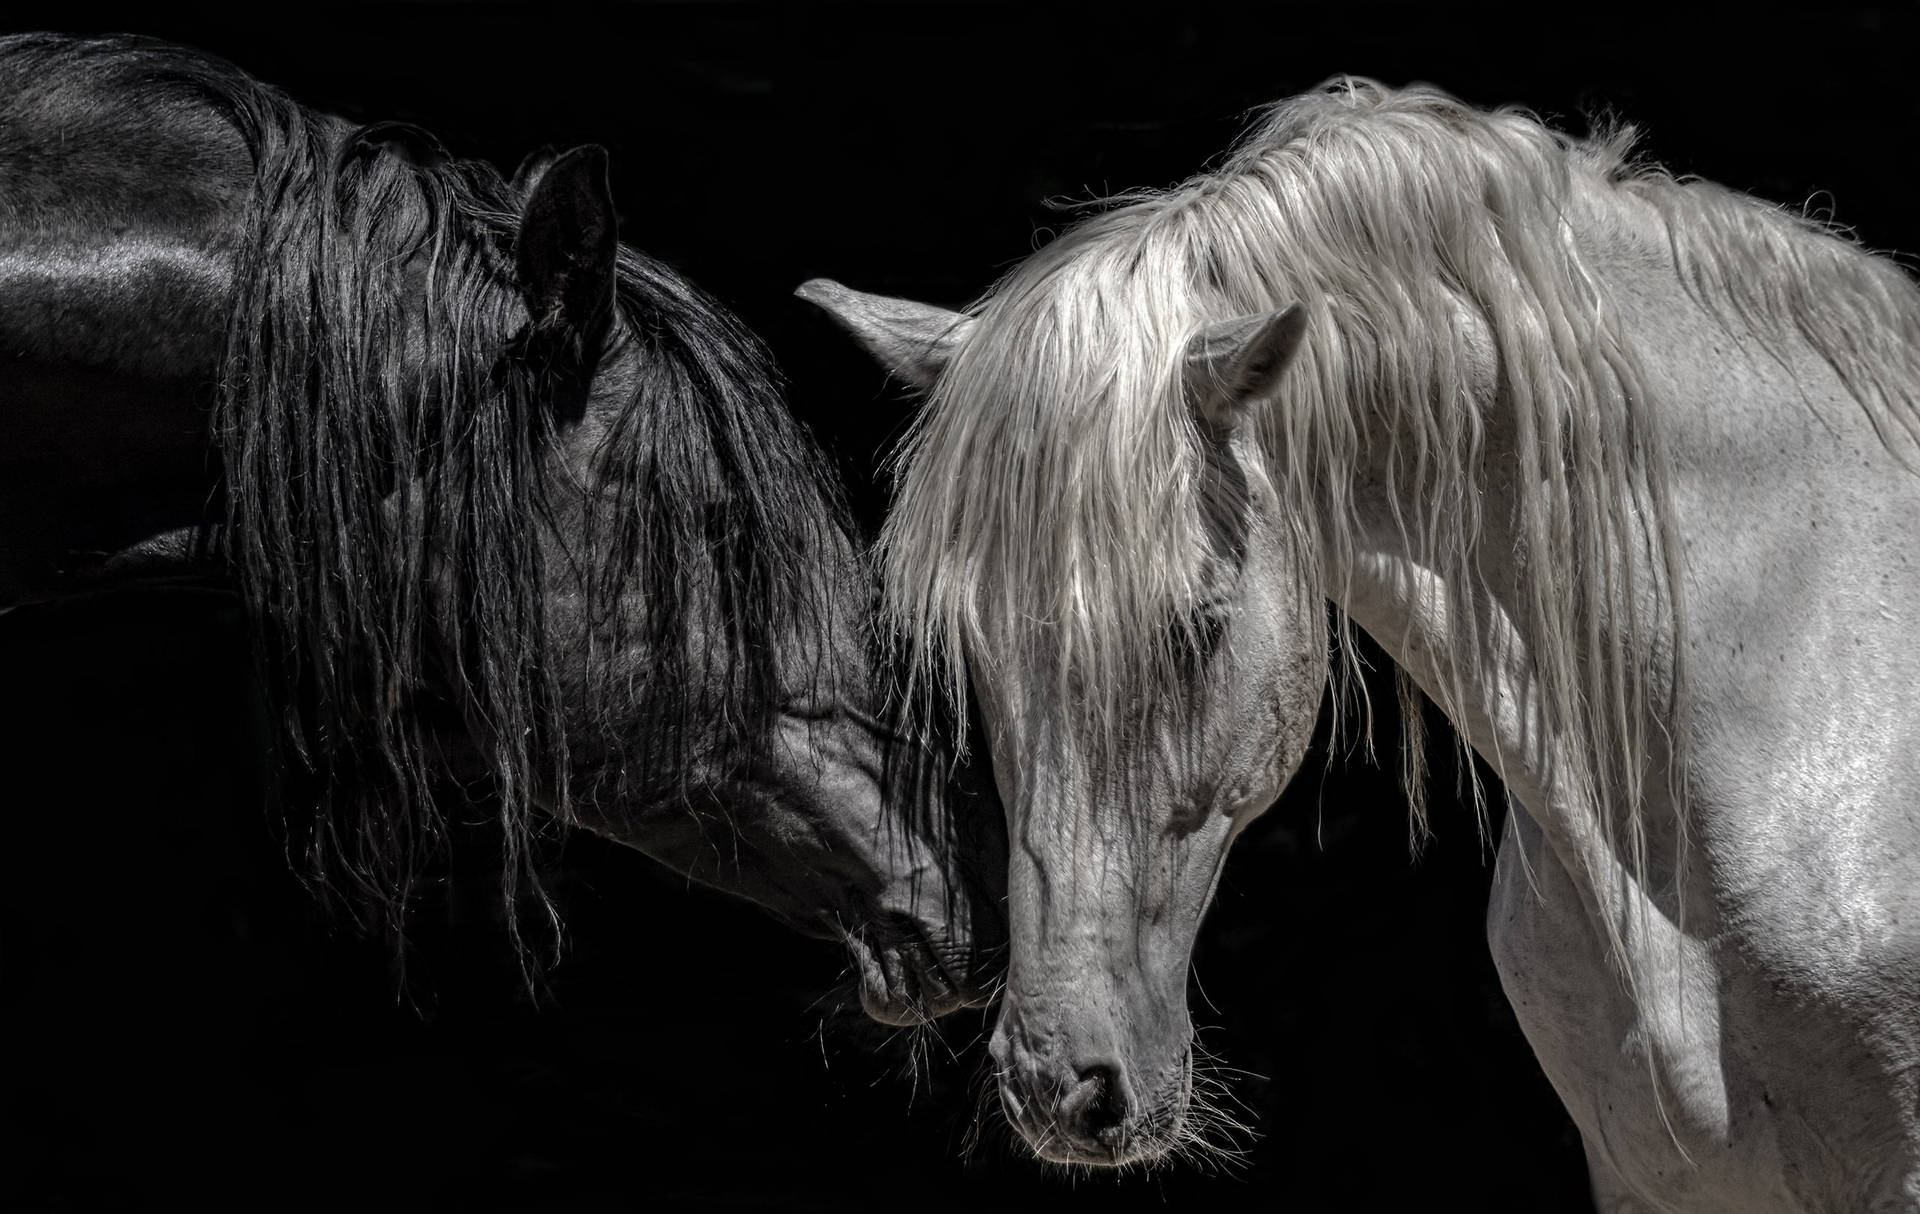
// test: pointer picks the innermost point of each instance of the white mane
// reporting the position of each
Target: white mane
(1049, 517)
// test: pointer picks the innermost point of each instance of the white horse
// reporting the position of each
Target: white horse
(1618, 468)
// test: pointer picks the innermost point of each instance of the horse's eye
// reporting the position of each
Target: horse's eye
(1198, 635)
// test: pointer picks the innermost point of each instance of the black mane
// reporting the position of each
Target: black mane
(398, 514)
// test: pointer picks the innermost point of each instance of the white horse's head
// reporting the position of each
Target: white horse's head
(1088, 538)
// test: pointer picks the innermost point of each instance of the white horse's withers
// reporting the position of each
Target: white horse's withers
(1619, 469)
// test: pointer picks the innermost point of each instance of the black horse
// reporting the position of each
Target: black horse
(501, 495)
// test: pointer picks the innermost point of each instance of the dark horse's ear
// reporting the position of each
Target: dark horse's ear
(532, 169)
(569, 242)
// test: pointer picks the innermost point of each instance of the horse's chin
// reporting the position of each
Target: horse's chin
(1143, 1142)
(1122, 1152)
(1140, 1140)
(911, 977)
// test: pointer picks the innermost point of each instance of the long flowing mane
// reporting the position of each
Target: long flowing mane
(389, 475)
(1051, 502)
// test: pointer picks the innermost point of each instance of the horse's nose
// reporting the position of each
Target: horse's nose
(1072, 1112)
(1095, 1109)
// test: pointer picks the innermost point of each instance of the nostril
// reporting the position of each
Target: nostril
(1097, 1107)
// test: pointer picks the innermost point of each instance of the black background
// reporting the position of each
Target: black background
(182, 1021)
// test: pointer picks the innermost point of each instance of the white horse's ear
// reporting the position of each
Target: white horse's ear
(1234, 365)
(912, 340)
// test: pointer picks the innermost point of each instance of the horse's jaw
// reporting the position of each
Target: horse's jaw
(923, 925)
(894, 879)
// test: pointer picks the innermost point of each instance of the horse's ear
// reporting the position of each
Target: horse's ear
(532, 169)
(569, 243)
(912, 340)
(1235, 365)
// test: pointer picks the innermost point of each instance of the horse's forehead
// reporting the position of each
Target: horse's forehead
(1079, 316)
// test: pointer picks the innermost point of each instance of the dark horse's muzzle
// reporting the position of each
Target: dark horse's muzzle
(911, 972)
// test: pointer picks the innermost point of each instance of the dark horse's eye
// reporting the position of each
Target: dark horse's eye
(410, 143)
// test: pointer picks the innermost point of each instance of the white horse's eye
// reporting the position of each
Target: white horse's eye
(1195, 637)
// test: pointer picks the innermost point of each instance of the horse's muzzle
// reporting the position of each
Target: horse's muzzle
(910, 974)
(1079, 1106)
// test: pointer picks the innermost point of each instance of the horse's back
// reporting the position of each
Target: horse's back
(114, 131)
(123, 183)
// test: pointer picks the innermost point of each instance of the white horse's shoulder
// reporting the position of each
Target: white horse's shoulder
(1773, 1093)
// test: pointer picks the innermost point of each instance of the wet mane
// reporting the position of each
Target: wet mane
(1050, 514)
(390, 475)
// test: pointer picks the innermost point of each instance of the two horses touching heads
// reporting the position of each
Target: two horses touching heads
(505, 497)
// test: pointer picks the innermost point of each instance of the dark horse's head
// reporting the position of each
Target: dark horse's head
(719, 693)
(504, 496)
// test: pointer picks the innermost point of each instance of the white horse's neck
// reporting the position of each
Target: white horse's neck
(1497, 700)
(1801, 875)
(1793, 520)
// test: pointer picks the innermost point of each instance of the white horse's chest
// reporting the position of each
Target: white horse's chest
(1767, 1098)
